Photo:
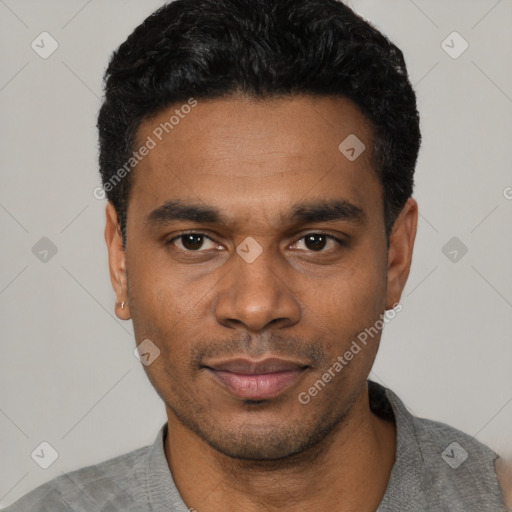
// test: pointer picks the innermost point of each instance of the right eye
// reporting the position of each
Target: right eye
(190, 241)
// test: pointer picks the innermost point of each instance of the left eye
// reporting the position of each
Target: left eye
(193, 242)
(317, 241)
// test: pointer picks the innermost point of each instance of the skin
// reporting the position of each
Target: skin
(253, 161)
(504, 472)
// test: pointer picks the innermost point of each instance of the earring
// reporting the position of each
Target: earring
(122, 304)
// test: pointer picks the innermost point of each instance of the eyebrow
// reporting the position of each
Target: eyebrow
(308, 212)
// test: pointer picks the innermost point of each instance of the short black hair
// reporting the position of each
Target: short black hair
(209, 49)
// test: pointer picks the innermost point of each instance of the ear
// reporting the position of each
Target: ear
(401, 244)
(116, 261)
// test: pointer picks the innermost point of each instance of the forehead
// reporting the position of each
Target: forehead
(256, 158)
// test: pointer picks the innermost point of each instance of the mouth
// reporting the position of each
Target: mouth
(257, 380)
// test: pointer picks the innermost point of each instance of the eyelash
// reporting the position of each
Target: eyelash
(339, 241)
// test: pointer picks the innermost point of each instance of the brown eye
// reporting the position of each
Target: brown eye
(317, 242)
(191, 242)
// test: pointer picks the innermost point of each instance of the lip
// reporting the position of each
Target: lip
(257, 380)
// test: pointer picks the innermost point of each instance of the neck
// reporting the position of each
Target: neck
(348, 471)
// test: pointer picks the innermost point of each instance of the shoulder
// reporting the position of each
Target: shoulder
(442, 446)
(117, 480)
(446, 465)
(460, 468)
(450, 443)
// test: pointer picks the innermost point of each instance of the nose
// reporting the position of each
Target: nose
(258, 293)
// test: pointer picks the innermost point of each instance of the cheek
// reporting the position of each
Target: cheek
(167, 312)
(156, 291)
(355, 289)
(369, 278)
(349, 303)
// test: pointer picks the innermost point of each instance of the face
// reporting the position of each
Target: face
(256, 255)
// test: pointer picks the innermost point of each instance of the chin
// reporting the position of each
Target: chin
(259, 448)
(263, 443)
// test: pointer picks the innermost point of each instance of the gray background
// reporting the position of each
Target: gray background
(68, 374)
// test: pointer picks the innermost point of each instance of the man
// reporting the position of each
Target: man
(258, 159)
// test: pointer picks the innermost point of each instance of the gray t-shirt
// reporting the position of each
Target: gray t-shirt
(437, 468)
